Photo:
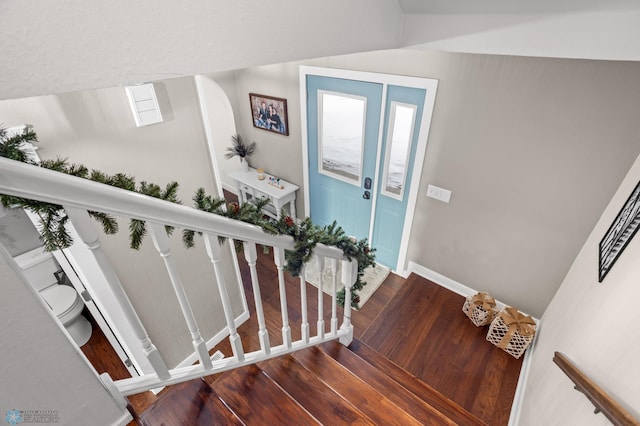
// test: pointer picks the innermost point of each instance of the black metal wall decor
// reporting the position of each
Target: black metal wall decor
(621, 231)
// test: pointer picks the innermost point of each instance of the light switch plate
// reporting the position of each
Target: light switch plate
(438, 193)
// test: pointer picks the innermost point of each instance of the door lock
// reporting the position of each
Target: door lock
(367, 183)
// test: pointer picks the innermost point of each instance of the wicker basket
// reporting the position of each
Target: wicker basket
(512, 331)
(480, 309)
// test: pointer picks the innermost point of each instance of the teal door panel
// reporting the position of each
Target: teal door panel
(399, 144)
(343, 125)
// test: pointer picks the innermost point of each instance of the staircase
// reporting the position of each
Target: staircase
(325, 384)
(295, 366)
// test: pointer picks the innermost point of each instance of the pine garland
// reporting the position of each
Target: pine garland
(306, 235)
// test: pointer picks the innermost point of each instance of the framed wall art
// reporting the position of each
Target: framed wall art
(269, 113)
(621, 231)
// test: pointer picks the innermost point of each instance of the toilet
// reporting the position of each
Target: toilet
(39, 267)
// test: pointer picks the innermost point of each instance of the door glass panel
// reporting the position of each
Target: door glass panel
(342, 120)
(399, 136)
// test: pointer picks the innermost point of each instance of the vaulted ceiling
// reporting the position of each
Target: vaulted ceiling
(53, 47)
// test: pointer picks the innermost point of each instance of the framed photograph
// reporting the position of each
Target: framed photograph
(621, 231)
(269, 113)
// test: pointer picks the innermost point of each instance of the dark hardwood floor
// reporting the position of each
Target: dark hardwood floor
(425, 332)
(415, 323)
(104, 359)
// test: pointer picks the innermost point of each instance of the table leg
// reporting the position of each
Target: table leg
(292, 209)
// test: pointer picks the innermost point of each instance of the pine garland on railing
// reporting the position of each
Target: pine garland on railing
(306, 235)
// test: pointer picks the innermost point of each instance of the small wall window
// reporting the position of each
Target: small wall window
(341, 128)
(398, 147)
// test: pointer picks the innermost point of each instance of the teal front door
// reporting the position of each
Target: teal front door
(343, 125)
(362, 139)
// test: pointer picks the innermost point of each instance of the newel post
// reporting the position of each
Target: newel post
(349, 277)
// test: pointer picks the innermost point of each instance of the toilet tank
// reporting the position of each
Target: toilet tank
(38, 267)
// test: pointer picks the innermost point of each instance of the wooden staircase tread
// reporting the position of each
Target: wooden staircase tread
(410, 382)
(193, 400)
(256, 399)
(403, 398)
(322, 402)
(368, 399)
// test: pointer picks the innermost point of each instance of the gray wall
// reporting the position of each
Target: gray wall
(17, 233)
(277, 154)
(96, 128)
(596, 326)
(43, 369)
(532, 148)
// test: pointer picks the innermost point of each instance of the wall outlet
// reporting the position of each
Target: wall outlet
(441, 194)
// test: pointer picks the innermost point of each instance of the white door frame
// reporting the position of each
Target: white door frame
(429, 84)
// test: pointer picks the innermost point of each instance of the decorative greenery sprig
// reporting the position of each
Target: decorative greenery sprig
(239, 148)
(306, 235)
(53, 218)
(11, 146)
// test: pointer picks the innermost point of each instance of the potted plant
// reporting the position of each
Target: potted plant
(239, 148)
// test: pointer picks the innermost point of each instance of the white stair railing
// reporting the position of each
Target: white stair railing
(78, 196)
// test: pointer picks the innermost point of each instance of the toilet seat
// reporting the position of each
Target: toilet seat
(62, 299)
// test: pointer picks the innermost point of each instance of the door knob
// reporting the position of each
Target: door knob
(366, 195)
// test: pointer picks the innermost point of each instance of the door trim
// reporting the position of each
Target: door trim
(429, 84)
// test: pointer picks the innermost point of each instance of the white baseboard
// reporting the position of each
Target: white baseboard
(124, 419)
(217, 338)
(467, 291)
(440, 279)
(518, 397)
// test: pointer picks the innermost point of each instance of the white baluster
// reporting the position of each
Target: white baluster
(251, 255)
(304, 327)
(320, 268)
(349, 276)
(333, 265)
(161, 242)
(278, 258)
(87, 232)
(214, 252)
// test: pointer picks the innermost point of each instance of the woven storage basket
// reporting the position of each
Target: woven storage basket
(480, 309)
(512, 331)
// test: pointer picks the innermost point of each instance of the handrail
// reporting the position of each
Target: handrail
(28, 181)
(603, 402)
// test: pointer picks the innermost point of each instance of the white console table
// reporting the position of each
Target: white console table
(251, 189)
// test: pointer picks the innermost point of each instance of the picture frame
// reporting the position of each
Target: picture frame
(621, 231)
(269, 113)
